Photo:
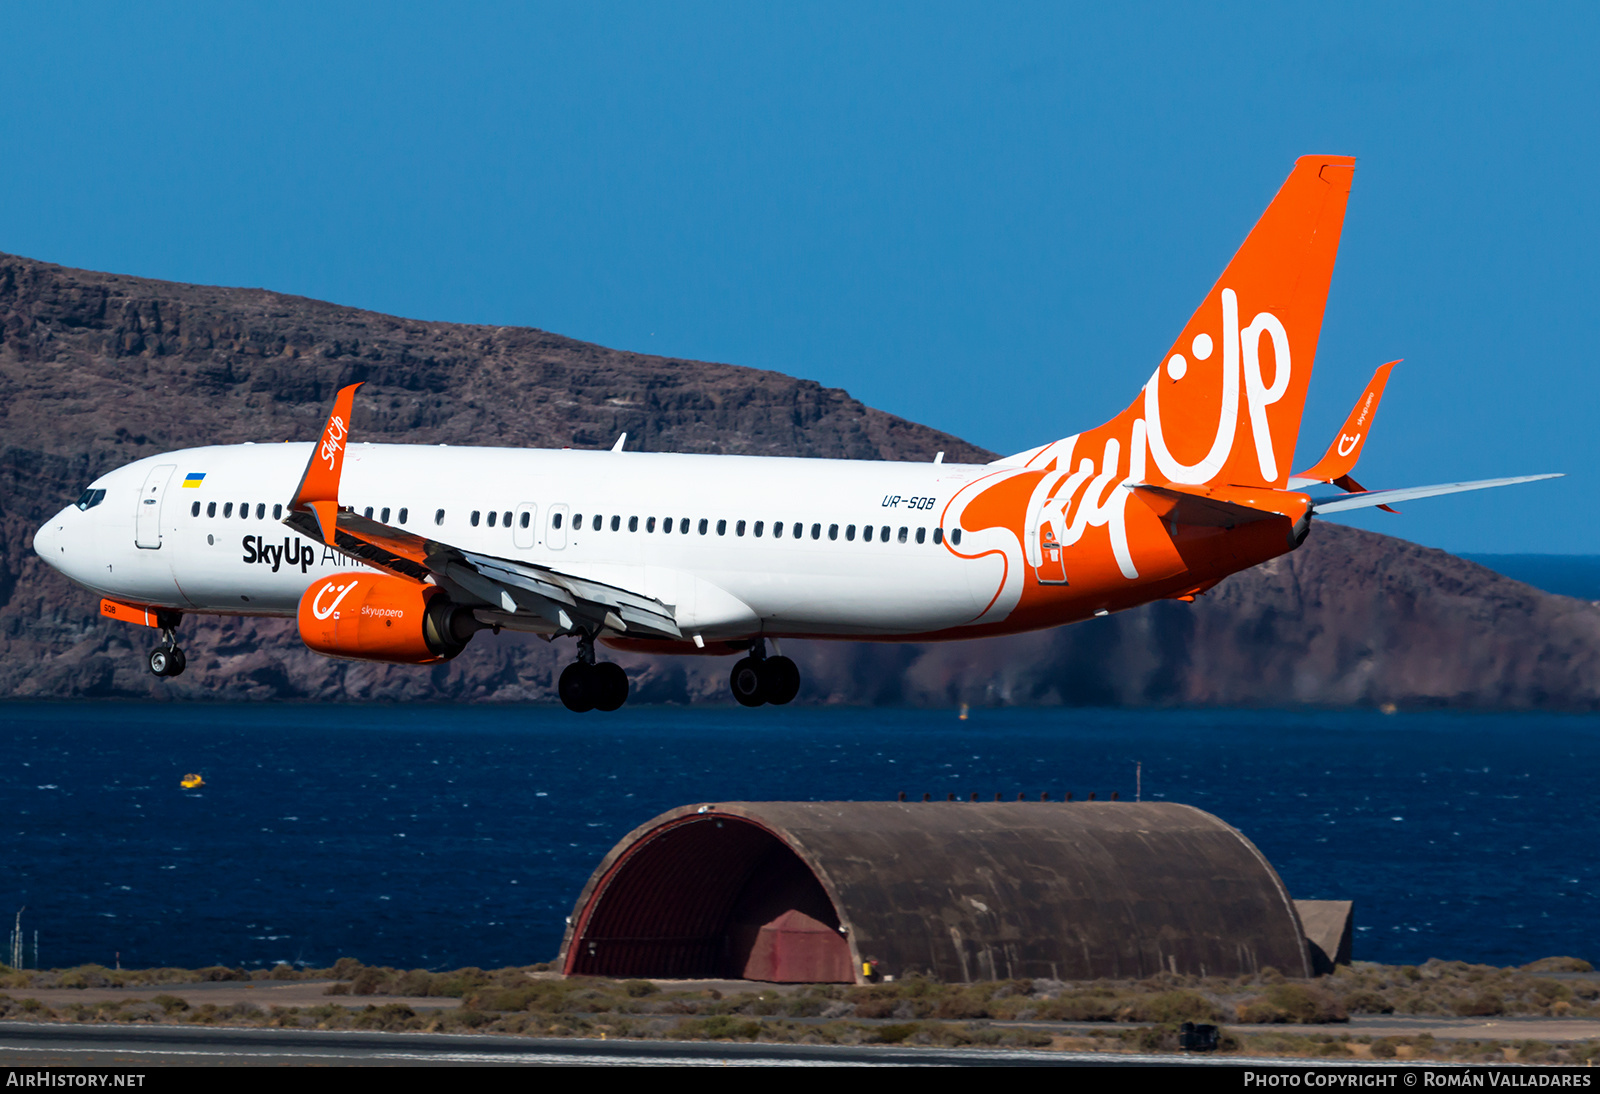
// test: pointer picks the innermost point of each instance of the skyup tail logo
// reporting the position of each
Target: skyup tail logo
(1241, 354)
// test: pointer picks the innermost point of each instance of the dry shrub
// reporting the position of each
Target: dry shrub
(1172, 1007)
(1293, 1003)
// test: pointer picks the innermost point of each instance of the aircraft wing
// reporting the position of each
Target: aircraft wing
(1339, 503)
(513, 591)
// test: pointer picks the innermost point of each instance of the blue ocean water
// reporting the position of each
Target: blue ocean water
(442, 836)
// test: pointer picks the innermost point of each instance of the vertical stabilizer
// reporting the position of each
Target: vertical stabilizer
(1225, 404)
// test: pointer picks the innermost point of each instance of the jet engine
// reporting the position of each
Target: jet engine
(375, 617)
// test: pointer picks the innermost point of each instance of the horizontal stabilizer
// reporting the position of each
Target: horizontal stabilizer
(1407, 493)
(1182, 507)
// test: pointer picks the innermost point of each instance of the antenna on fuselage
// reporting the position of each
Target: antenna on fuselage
(620, 442)
(940, 457)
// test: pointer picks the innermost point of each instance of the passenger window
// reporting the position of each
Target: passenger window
(367, 512)
(438, 516)
(738, 529)
(261, 510)
(211, 509)
(227, 510)
(758, 529)
(194, 510)
(555, 519)
(703, 525)
(493, 516)
(850, 533)
(938, 536)
(633, 524)
(277, 513)
(683, 526)
(777, 529)
(523, 520)
(722, 527)
(403, 516)
(473, 520)
(902, 536)
(922, 535)
(595, 524)
(816, 531)
(577, 522)
(616, 523)
(883, 533)
(506, 519)
(650, 524)
(383, 517)
(244, 510)
(866, 534)
(833, 531)
(799, 529)
(955, 536)
(666, 526)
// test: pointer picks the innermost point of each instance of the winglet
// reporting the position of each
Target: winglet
(320, 483)
(1345, 450)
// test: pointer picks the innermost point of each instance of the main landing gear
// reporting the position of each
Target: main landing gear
(167, 659)
(585, 685)
(761, 679)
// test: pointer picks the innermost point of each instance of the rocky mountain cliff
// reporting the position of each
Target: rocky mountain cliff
(97, 370)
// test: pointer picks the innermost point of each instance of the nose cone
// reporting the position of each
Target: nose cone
(47, 540)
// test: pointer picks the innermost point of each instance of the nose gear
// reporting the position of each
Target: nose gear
(167, 659)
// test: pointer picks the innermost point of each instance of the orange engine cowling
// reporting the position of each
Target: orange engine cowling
(375, 617)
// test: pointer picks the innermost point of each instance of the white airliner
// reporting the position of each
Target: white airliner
(402, 553)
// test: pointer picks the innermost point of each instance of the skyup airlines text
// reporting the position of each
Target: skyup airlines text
(291, 552)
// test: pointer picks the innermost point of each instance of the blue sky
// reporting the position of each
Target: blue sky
(991, 222)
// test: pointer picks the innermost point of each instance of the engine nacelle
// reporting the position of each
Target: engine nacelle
(375, 617)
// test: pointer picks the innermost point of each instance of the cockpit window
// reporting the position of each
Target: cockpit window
(91, 498)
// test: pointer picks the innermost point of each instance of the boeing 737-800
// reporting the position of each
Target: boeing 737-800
(402, 553)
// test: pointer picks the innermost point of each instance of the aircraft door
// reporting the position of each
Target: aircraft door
(147, 518)
(525, 526)
(555, 536)
(1052, 568)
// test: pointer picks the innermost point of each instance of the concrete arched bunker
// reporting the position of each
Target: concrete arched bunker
(960, 891)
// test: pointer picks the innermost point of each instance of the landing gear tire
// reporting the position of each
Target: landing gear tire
(577, 687)
(747, 683)
(610, 685)
(167, 661)
(780, 680)
(585, 687)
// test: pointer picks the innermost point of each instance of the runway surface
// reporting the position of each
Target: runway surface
(26, 1044)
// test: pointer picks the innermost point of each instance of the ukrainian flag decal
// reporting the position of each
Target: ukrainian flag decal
(193, 479)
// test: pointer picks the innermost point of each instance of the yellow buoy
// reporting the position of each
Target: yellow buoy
(192, 781)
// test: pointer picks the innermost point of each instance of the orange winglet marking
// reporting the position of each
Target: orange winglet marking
(1345, 450)
(321, 480)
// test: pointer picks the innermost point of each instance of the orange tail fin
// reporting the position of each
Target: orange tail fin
(1225, 405)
